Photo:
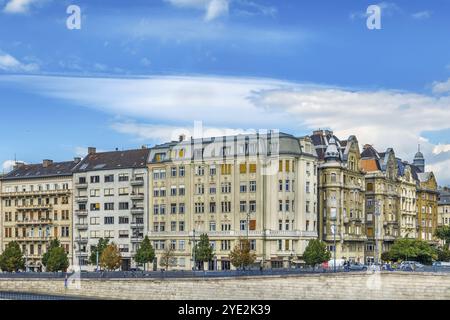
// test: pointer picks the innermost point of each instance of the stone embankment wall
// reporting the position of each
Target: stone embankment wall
(354, 286)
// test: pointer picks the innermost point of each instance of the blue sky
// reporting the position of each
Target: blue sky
(140, 71)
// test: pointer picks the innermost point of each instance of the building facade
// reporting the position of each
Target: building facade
(36, 207)
(342, 223)
(444, 207)
(258, 186)
(110, 202)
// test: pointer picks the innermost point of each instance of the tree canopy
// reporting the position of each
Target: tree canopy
(443, 233)
(242, 256)
(412, 249)
(12, 260)
(316, 253)
(145, 254)
(203, 250)
(100, 247)
(111, 258)
(55, 259)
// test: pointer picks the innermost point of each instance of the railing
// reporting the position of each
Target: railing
(35, 207)
(34, 222)
(35, 193)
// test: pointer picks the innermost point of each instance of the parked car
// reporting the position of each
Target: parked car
(357, 267)
(441, 264)
(410, 266)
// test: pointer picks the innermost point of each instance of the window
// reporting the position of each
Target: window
(181, 247)
(123, 234)
(181, 225)
(288, 183)
(173, 172)
(212, 226)
(307, 187)
(124, 220)
(212, 189)
(253, 245)
(123, 177)
(252, 168)
(212, 207)
(181, 171)
(212, 170)
(95, 179)
(252, 206)
(123, 205)
(252, 186)
(123, 191)
(173, 226)
(108, 192)
(109, 220)
(287, 165)
(225, 245)
(181, 208)
(243, 187)
(199, 188)
(225, 169)
(287, 206)
(243, 206)
(199, 171)
(226, 206)
(199, 207)
(109, 178)
(243, 168)
(243, 225)
(226, 227)
(95, 206)
(173, 191)
(280, 185)
(173, 208)
(109, 206)
(95, 192)
(280, 225)
(181, 190)
(226, 187)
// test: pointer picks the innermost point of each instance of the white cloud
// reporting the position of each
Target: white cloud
(441, 148)
(441, 87)
(8, 165)
(9, 63)
(213, 8)
(20, 6)
(422, 15)
(384, 118)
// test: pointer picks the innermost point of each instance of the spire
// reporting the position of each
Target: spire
(419, 160)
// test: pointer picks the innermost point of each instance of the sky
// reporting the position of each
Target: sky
(141, 72)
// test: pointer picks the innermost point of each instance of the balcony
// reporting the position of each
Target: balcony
(36, 193)
(81, 199)
(35, 207)
(36, 238)
(81, 185)
(136, 239)
(81, 213)
(137, 182)
(81, 226)
(81, 240)
(34, 222)
(81, 254)
(137, 196)
(137, 224)
(137, 210)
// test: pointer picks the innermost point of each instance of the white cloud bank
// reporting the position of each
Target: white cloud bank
(162, 106)
(213, 8)
(20, 6)
(10, 64)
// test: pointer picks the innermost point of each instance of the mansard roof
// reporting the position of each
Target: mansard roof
(127, 159)
(46, 169)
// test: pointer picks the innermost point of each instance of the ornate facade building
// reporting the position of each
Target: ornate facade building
(36, 207)
(260, 186)
(444, 207)
(342, 217)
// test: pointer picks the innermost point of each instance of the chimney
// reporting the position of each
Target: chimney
(46, 163)
(367, 146)
(77, 159)
(92, 150)
(182, 137)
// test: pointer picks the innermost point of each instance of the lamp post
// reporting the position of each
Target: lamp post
(193, 250)
(376, 229)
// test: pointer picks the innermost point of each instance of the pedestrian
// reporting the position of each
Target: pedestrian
(66, 282)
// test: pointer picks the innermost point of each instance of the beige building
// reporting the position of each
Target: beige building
(407, 200)
(36, 207)
(258, 186)
(341, 196)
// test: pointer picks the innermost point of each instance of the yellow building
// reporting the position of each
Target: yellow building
(427, 206)
(257, 186)
(37, 208)
(341, 196)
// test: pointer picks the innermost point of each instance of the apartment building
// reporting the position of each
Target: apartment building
(342, 223)
(444, 207)
(260, 186)
(36, 207)
(110, 201)
(407, 179)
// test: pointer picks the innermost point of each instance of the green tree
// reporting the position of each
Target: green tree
(145, 254)
(100, 247)
(316, 253)
(443, 254)
(412, 249)
(111, 258)
(11, 260)
(53, 244)
(203, 250)
(385, 256)
(242, 256)
(443, 233)
(57, 260)
(167, 258)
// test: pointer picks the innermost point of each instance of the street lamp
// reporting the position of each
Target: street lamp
(193, 250)
(334, 239)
